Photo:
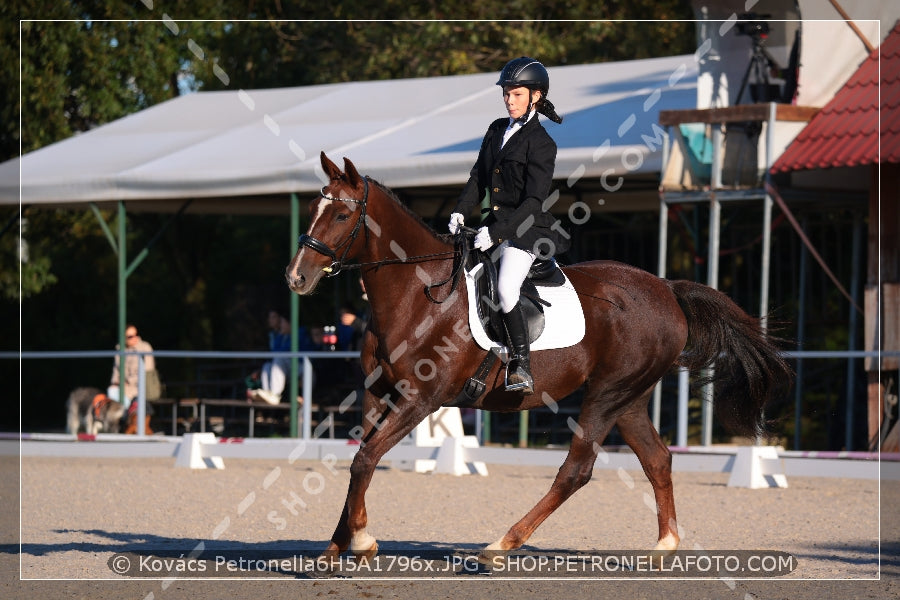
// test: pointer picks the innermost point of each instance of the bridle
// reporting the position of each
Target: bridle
(337, 264)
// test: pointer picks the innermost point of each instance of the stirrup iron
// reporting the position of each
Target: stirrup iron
(524, 381)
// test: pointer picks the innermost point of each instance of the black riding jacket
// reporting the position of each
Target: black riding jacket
(518, 179)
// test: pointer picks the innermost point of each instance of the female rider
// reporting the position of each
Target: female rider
(515, 169)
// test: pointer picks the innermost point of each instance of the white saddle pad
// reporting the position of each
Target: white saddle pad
(563, 319)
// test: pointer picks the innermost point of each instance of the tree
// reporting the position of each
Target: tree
(76, 75)
(73, 76)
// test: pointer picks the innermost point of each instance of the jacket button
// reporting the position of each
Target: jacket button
(496, 207)
(496, 170)
(496, 189)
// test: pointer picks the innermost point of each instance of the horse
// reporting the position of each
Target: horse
(417, 353)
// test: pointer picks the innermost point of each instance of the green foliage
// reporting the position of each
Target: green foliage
(34, 277)
(28, 272)
(299, 53)
(79, 74)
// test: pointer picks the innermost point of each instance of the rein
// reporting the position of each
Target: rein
(398, 261)
(461, 251)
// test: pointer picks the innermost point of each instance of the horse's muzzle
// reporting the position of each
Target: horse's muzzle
(296, 282)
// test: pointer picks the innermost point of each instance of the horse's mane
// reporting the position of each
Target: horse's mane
(443, 237)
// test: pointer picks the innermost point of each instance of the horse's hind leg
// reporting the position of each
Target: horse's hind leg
(638, 432)
(593, 426)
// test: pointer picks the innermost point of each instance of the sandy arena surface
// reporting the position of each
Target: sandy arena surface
(77, 515)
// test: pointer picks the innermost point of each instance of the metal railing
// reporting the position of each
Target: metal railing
(305, 429)
(305, 357)
(681, 438)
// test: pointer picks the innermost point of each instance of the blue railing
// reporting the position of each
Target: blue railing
(305, 357)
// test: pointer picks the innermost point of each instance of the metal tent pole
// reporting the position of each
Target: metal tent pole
(683, 391)
(119, 246)
(123, 277)
(661, 266)
(767, 224)
(712, 267)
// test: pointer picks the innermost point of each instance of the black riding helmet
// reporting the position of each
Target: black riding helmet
(530, 73)
(525, 72)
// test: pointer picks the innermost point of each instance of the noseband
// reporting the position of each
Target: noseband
(337, 264)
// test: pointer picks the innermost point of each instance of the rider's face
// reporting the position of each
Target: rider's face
(516, 100)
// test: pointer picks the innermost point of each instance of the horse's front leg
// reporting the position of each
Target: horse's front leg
(394, 422)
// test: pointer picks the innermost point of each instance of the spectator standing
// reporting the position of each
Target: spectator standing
(134, 344)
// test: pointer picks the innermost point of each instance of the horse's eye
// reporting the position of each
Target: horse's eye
(342, 217)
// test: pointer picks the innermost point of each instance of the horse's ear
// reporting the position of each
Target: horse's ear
(353, 176)
(331, 169)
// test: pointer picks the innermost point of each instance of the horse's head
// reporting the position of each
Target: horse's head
(337, 218)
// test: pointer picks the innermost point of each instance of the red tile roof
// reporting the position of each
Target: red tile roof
(845, 132)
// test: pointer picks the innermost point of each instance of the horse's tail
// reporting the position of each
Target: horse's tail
(749, 368)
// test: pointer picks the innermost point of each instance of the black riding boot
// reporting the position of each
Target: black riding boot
(518, 369)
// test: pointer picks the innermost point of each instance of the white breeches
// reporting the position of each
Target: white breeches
(514, 266)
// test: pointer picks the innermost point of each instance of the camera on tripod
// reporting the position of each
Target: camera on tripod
(750, 24)
(761, 64)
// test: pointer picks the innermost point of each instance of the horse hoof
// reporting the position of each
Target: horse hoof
(661, 552)
(666, 545)
(493, 555)
(656, 558)
(365, 555)
(363, 546)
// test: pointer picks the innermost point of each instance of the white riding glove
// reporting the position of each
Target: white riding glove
(483, 239)
(456, 220)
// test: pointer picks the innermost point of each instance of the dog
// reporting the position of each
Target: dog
(92, 411)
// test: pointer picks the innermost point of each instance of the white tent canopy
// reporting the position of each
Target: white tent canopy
(404, 133)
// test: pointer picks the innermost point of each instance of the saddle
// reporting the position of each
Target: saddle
(543, 273)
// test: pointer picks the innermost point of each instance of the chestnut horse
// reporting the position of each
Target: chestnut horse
(418, 353)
